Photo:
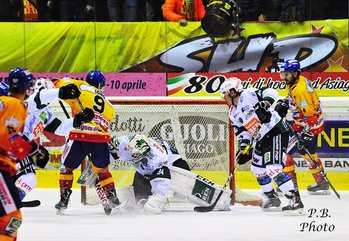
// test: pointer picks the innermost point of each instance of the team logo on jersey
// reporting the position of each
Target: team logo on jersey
(43, 115)
(12, 125)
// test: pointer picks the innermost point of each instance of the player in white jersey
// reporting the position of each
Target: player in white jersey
(255, 122)
(41, 117)
(159, 168)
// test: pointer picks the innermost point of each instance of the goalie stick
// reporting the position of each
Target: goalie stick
(204, 209)
(323, 174)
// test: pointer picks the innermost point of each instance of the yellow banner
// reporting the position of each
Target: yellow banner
(80, 47)
(321, 46)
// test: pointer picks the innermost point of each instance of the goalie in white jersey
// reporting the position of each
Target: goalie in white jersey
(159, 168)
(254, 121)
(41, 118)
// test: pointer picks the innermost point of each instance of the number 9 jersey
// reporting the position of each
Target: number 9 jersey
(91, 97)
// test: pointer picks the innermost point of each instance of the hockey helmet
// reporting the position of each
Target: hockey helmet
(96, 79)
(43, 83)
(20, 80)
(138, 147)
(229, 84)
(290, 65)
(3, 89)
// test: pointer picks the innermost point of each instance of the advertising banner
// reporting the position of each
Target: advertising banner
(321, 46)
(119, 84)
(208, 84)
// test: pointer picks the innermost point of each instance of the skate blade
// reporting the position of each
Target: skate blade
(60, 212)
(320, 192)
(296, 212)
(120, 208)
(272, 209)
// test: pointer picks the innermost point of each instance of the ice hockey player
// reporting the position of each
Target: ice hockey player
(159, 168)
(254, 121)
(308, 122)
(92, 113)
(41, 118)
(12, 147)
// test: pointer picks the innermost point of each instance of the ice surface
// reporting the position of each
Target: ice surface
(180, 222)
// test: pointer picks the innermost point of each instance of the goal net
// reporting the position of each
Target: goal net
(198, 128)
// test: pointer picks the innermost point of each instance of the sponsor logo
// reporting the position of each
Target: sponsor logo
(203, 189)
(202, 137)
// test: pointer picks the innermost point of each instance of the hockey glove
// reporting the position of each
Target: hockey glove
(83, 117)
(70, 91)
(113, 150)
(304, 138)
(40, 156)
(244, 153)
(281, 107)
(261, 111)
(19, 148)
(183, 22)
(155, 204)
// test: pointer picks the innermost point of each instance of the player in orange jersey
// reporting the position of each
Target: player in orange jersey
(12, 147)
(308, 122)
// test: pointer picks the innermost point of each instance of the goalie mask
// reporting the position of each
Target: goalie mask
(43, 83)
(138, 147)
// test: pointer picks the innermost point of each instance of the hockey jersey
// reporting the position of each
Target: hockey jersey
(305, 106)
(41, 117)
(160, 154)
(12, 116)
(247, 126)
(97, 129)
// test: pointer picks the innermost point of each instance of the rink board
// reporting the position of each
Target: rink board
(244, 179)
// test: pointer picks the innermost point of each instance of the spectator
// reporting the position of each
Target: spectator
(270, 9)
(286, 10)
(125, 10)
(10, 10)
(250, 10)
(154, 10)
(183, 10)
(72, 10)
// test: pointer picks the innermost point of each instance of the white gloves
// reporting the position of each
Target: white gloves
(155, 204)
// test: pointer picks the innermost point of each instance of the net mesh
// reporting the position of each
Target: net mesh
(200, 132)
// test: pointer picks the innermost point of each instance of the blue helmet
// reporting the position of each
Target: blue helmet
(3, 88)
(19, 80)
(291, 65)
(96, 78)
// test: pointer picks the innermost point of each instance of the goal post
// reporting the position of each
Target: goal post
(198, 127)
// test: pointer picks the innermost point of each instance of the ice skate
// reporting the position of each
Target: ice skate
(113, 201)
(295, 207)
(63, 203)
(319, 189)
(271, 202)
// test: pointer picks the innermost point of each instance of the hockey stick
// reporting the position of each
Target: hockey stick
(31, 204)
(205, 209)
(323, 174)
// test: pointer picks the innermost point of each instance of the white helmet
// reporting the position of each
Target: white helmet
(138, 146)
(43, 83)
(229, 84)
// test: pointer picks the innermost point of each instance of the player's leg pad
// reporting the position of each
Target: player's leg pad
(197, 189)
